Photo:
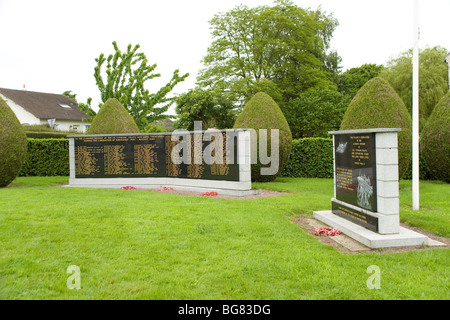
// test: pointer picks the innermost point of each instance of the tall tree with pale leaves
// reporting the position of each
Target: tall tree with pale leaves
(124, 78)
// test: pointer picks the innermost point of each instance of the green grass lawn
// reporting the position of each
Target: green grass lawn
(133, 244)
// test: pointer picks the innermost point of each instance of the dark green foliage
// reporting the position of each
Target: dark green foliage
(377, 105)
(13, 145)
(48, 135)
(433, 79)
(262, 112)
(151, 128)
(353, 79)
(310, 158)
(282, 50)
(435, 140)
(46, 157)
(315, 112)
(113, 118)
(212, 109)
(424, 171)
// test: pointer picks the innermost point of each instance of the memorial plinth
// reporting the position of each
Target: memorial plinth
(216, 160)
(365, 205)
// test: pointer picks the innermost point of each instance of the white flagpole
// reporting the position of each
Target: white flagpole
(415, 111)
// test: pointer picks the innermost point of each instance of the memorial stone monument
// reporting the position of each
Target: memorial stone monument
(211, 160)
(365, 205)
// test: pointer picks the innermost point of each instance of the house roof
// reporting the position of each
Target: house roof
(45, 105)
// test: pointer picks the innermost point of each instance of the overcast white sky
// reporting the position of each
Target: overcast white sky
(50, 46)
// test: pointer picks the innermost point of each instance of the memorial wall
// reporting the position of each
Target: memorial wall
(153, 156)
(216, 160)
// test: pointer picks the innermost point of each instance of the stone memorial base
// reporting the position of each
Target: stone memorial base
(371, 239)
(229, 188)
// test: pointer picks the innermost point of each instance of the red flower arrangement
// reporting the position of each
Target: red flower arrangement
(212, 193)
(128, 188)
(326, 231)
(165, 188)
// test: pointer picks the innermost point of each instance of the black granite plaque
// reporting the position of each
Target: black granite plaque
(355, 166)
(358, 217)
(152, 156)
(119, 156)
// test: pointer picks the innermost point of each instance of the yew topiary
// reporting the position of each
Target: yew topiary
(113, 118)
(13, 145)
(435, 140)
(377, 105)
(262, 112)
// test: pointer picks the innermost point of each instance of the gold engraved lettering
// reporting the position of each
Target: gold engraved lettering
(360, 153)
(222, 169)
(344, 178)
(145, 159)
(85, 163)
(114, 160)
(195, 168)
(173, 170)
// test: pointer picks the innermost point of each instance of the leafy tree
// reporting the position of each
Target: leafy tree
(350, 81)
(284, 48)
(126, 75)
(151, 128)
(315, 112)
(87, 108)
(72, 96)
(433, 78)
(205, 106)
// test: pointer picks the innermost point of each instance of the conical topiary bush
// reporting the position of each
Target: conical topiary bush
(377, 105)
(262, 112)
(13, 145)
(113, 118)
(435, 140)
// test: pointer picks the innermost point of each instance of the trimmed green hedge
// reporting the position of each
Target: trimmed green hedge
(47, 135)
(46, 157)
(310, 158)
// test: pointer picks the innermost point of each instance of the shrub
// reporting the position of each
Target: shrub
(424, 171)
(377, 105)
(153, 128)
(46, 157)
(43, 131)
(315, 112)
(310, 158)
(435, 140)
(13, 145)
(113, 118)
(262, 112)
(48, 135)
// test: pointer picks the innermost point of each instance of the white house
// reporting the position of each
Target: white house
(45, 108)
